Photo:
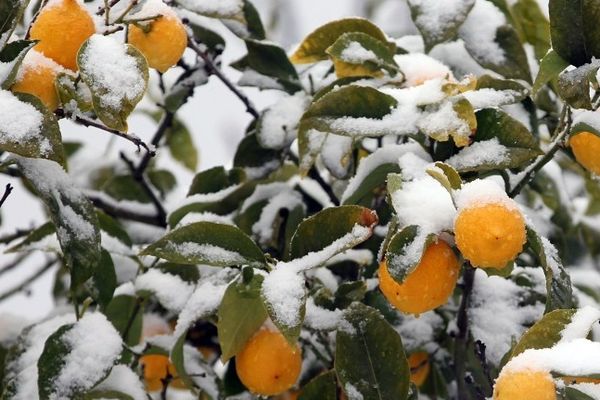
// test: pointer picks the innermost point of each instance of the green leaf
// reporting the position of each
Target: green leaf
(11, 57)
(72, 214)
(107, 394)
(375, 179)
(270, 60)
(313, 47)
(51, 361)
(405, 250)
(574, 30)
(347, 101)
(113, 229)
(439, 27)
(186, 358)
(126, 313)
(39, 239)
(512, 89)
(349, 292)
(104, 280)
(207, 243)
(215, 179)
(321, 387)
(209, 38)
(257, 161)
(546, 332)
(183, 88)
(558, 283)
(11, 12)
(551, 65)
(241, 314)
(181, 145)
(384, 53)
(369, 356)
(446, 175)
(325, 227)
(493, 124)
(111, 106)
(35, 141)
(69, 88)
(125, 187)
(535, 28)
(178, 358)
(250, 19)
(574, 85)
(163, 180)
(574, 394)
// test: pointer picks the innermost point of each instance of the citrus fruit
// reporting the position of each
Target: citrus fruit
(530, 385)
(586, 147)
(36, 77)
(419, 367)
(268, 364)
(428, 286)
(156, 368)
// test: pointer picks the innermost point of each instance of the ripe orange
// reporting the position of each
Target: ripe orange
(419, 367)
(164, 42)
(428, 286)
(156, 368)
(586, 147)
(62, 27)
(268, 364)
(490, 235)
(36, 77)
(530, 385)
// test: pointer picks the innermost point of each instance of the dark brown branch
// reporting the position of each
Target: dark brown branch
(118, 212)
(165, 123)
(462, 337)
(213, 69)
(102, 10)
(127, 136)
(7, 191)
(161, 214)
(29, 280)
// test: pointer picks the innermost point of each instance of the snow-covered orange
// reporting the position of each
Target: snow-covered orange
(530, 385)
(268, 364)
(37, 77)
(586, 148)
(428, 286)
(61, 28)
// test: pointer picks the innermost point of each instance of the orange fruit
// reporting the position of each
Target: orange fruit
(586, 148)
(156, 368)
(62, 27)
(163, 43)
(36, 77)
(428, 286)
(530, 385)
(490, 235)
(268, 364)
(419, 367)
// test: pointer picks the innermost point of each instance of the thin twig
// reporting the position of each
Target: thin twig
(128, 136)
(161, 213)
(15, 263)
(480, 353)
(213, 69)
(7, 191)
(102, 10)
(13, 236)
(29, 280)
(118, 212)
(462, 337)
(165, 123)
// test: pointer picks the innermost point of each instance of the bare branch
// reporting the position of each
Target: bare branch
(165, 123)
(7, 191)
(114, 210)
(32, 278)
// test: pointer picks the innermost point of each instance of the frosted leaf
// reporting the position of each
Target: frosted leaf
(21, 122)
(321, 318)
(214, 8)
(581, 324)
(480, 153)
(170, 290)
(355, 53)
(479, 32)
(124, 380)
(439, 23)
(419, 68)
(263, 229)
(278, 126)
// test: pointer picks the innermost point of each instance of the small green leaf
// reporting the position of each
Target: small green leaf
(125, 187)
(321, 387)
(369, 356)
(163, 180)
(349, 292)
(405, 250)
(51, 361)
(39, 140)
(257, 161)
(184, 87)
(112, 228)
(215, 179)
(112, 104)
(574, 85)
(558, 283)
(446, 175)
(69, 89)
(11, 12)
(11, 57)
(313, 47)
(241, 314)
(181, 145)
(325, 227)
(342, 50)
(209, 38)
(551, 65)
(435, 26)
(207, 243)
(375, 179)
(178, 358)
(104, 280)
(512, 89)
(39, 239)
(126, 313)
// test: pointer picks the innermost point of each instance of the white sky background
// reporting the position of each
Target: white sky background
(215, 117)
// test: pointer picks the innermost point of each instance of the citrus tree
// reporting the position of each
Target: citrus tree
(416, 217)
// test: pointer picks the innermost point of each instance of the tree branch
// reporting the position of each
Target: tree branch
(118, 212)
(12, 236)
(213, 69)
(7, 191)
(165, 123)
(462, 337)
(29, 280)
(127, 136)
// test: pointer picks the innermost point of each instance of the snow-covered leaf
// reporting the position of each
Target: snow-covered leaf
(313, 47)
(405, 250)
(122, 384)
(256, 160)
(277, 126)
(574, 30)
(193, 370)
(559, 292)
(73, 94)
(551, 65)
(125, 313)
(207, 243)
(347, 101)
(360, 54)
(446, 175)
(181, 145)
(72, 214)
(170, 290)
(215, 179)
(77, 356)
(556, 326)
(11, 58)
(449, 119)
(117, 75)
(214, 8)
(500, 142)
(10, 15)
(183, 88)
(241, 314)
(573, 86)
(28, 129)
(327, 226)
(369, 357)
(321, 387)
(42, 238)
(439, 24)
